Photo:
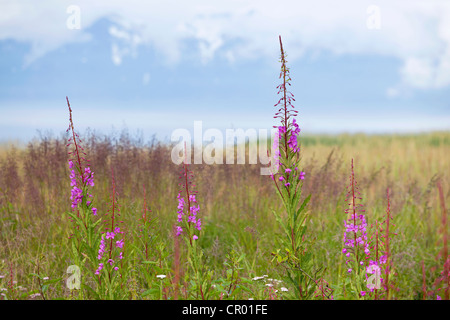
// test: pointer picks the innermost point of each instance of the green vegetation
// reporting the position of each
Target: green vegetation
(236, 208)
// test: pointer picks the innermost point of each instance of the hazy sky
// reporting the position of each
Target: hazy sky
(356, 65)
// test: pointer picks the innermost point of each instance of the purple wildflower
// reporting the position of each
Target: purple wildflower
(119, 244)
(76, 196)
(188, 202)
(100, 267)
(102, 248)
(110, 235)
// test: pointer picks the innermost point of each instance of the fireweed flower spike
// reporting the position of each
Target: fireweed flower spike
(111, 249)
(356, 244)
(85, 238)
(287, 154)
(288, 180)
(380, 246)
(81, 176)
(188, 207)
(189, 224)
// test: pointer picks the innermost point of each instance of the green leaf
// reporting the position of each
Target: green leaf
(77, 220)
(150, 291)
(302, 207)
(35, 275)
(280, 221)
(48, 282)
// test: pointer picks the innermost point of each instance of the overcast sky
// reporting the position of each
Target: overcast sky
(356, 66)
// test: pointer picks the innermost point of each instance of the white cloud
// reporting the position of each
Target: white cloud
(416, 32)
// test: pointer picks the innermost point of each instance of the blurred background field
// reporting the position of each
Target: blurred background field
(235, 201)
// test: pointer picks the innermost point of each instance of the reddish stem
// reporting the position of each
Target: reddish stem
(444, 235)
(388, 252)
(113, 210)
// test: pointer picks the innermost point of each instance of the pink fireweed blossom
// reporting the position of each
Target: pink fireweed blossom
(77, 193)
(117, 230)
(110, 235)
(292, 143)
(76, 196)
(119, 244)
(102, 248)
(100, 267)
(73, 181)
(191, 215)
(355, 228)
(355, 235)
(88, 177)
(188, 208)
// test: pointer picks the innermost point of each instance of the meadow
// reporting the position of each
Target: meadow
(356, 217)
(235, 202)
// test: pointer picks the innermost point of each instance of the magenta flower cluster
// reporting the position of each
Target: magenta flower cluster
(293, 136)
(288, 171)
(370, 270)
(119, 244)
(285, 145)
(192, 213)
(77, 193)
(101, 251)
(355, 236)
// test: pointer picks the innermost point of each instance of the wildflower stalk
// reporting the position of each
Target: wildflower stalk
(424, 283)
(383, 233)
(110, 269)
(446, 275)
(85, 237)
(387, 244)
(189, 226)
(288, 180)
(356, 246)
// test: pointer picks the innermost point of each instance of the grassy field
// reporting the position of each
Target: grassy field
(239, 231)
